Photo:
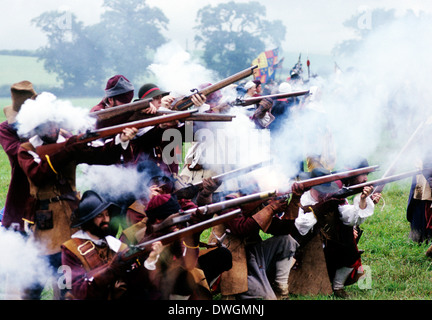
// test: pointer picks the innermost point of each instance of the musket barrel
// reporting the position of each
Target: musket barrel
(351, 190)
(195, 228)
(112, 112)
(236, 172)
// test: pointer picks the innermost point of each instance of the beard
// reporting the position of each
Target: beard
(101, 231)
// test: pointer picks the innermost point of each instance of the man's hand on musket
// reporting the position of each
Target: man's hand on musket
(297, 189)
(167, 101)
(152, 109)
(198, 99)
(128, 134)
(367, 191)
(376, 197)
(155, 191)
(157, 248)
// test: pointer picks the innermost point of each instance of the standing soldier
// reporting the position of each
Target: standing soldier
(52, 182)
(18, 200)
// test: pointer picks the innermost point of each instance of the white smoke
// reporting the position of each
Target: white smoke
(46, 107)
(113, 180)
(376, 103)
(21, 264)
(177, 71)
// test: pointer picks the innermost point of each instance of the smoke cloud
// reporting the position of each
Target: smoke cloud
(20, 266)
(373, 107)
(46, 107)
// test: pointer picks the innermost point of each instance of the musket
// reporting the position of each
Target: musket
(345, 192)
(185, 216)
(138, 249)
(198, 116)
(186, 102)
(210, 209)
(254, 100)
(193, 188)
(119, 114)
(91, 135)
(308, 183)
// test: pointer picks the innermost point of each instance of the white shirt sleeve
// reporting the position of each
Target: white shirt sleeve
(305, 221)
(352, 215)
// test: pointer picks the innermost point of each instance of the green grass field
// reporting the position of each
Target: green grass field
(397, 268)
(14, 69)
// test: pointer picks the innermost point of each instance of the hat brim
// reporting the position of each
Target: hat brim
(93, 214)
(326, 188)
(10, 114)
(155, 94)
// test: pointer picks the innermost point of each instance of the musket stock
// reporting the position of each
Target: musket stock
(186, 102)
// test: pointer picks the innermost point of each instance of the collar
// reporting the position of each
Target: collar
(112, 242)
(36, 141)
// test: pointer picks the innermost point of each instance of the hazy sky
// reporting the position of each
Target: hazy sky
(313, 26)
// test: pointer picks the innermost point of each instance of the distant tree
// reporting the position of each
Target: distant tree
(84, 57)
(130, 32)
(69, 53)
(363, 24)
(233, 34)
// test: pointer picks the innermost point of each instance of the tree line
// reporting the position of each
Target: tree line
(126, 39)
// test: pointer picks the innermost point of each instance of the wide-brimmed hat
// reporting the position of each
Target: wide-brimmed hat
(150, 90)
(90, 206)
(119, 87)
(20, 92)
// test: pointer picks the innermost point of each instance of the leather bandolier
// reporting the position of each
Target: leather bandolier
(93, 259)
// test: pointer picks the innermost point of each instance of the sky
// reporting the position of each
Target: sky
(313, 26)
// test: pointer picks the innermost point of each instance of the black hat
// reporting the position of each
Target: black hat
(150, 90)
(329, 187)
(90, 206)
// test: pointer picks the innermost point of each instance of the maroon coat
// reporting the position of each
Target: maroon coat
(18, 199)
(55, 191)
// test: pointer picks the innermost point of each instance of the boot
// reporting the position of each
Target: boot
(339, 280)
(283, 268)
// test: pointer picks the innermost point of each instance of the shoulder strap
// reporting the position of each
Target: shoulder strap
(86, 251)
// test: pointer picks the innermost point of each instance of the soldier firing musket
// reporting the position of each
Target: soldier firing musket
(213, 208)
(133, 112)
(92, 135)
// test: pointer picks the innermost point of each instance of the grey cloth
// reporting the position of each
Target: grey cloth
(262, 260)
(122, 86)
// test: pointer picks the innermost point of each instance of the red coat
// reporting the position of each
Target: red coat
(18, 199)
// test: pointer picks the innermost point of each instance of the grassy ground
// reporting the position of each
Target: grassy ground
(397, 267)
